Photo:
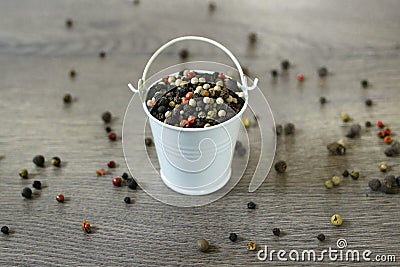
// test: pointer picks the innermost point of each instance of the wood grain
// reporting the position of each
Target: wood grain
(353, 39)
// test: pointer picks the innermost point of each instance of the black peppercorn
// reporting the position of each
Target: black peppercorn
(276, 231)
(322, 100)
(211, 6)
(5, 230)
(274, 73)
(345, 173)
(136, 2)
(390, 181)
(106, 116)
(148, 141)
(364, 83)
(289, 128)
(368, 124)
(280, 166)
(251, 205)
(69, 23)
(26, 192)
(374, 184)
(368, 102)
(354, 131)
(72, 73)
(238, 145)
(285, 64)
(252, 38)
(124, 176)
(322, 72)
(241, 151)
(321, 237)
(38, 160)
(108, 129)
(233, 237)
(37, 185)
(127, 200)
(132, 184)
(67, 98)
(102, 54)
(184, 54)
(56, 161)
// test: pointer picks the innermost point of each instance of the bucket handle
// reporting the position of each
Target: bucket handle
(194, 38)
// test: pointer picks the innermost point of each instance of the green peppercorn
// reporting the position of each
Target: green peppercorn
(383, 167)
(23, 173)
(336, 180)
(26, 192)
(56, 161)
(251, 246)
(355, 175)
(321, 237)
(328, 184)
(202, 245)
(374, 184)
(336, 148)
(336, 220)
(67, 98)
(246, 122)
(345, 117)
(38, 160)
(280, 166)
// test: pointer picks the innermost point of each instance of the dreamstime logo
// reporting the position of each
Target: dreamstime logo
(340, 254)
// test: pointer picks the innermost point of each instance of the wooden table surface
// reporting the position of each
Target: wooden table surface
(353, 39)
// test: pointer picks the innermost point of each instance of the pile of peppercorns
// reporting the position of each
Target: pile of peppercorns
(195, 100)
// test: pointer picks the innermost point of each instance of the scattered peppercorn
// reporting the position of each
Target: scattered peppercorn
(276, 231)
(202, 245)
(322, 100)
(67, 98)
(23, 173)
(374, 184)
(393, 150)
(336, 180)
(383, 167)
(280, 166)
(241, 151)
(233, 237)
(72, 73)
(5, 230)
(212, 6)
(251, 205)
(148, 141)
(131, 183)
(111, 164)
(364, 83)
(86, 227)
(398, 180)
(60, 198)
(184, 54)
(278, 129)
(136, 2)
(102, 54)
(127, 200)
(252, 38)
(387, 139)
(336, 220)
(322, 72)
(336, 149)
(274, 73)
(38, 160)
(368, 124)
(100, 172)
(26, 192)
(345, 117)
(289, 128)
(56, 161)
(328, 184)
(285, 64)
(390, 181)
(354, 131)
(354, 174)
(321, 237)
(124, 176)
(108, 129)
(251, 246)
(246, 122)
(300, 77)
(117, 181)
(386, 131)
(37, 185)
(112, 136)
(69, 23)
(368, 102)
(345, 173)
(380, 124)
(106, 116)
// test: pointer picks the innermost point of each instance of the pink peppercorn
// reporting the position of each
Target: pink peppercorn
(112, 136)
(117, 181)
(221, 75)
(300, 77)
(191, 119)
(380, 124)
(190, 74)
(111, 164)
(189, 95)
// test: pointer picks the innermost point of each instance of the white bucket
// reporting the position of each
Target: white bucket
(194, 161)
